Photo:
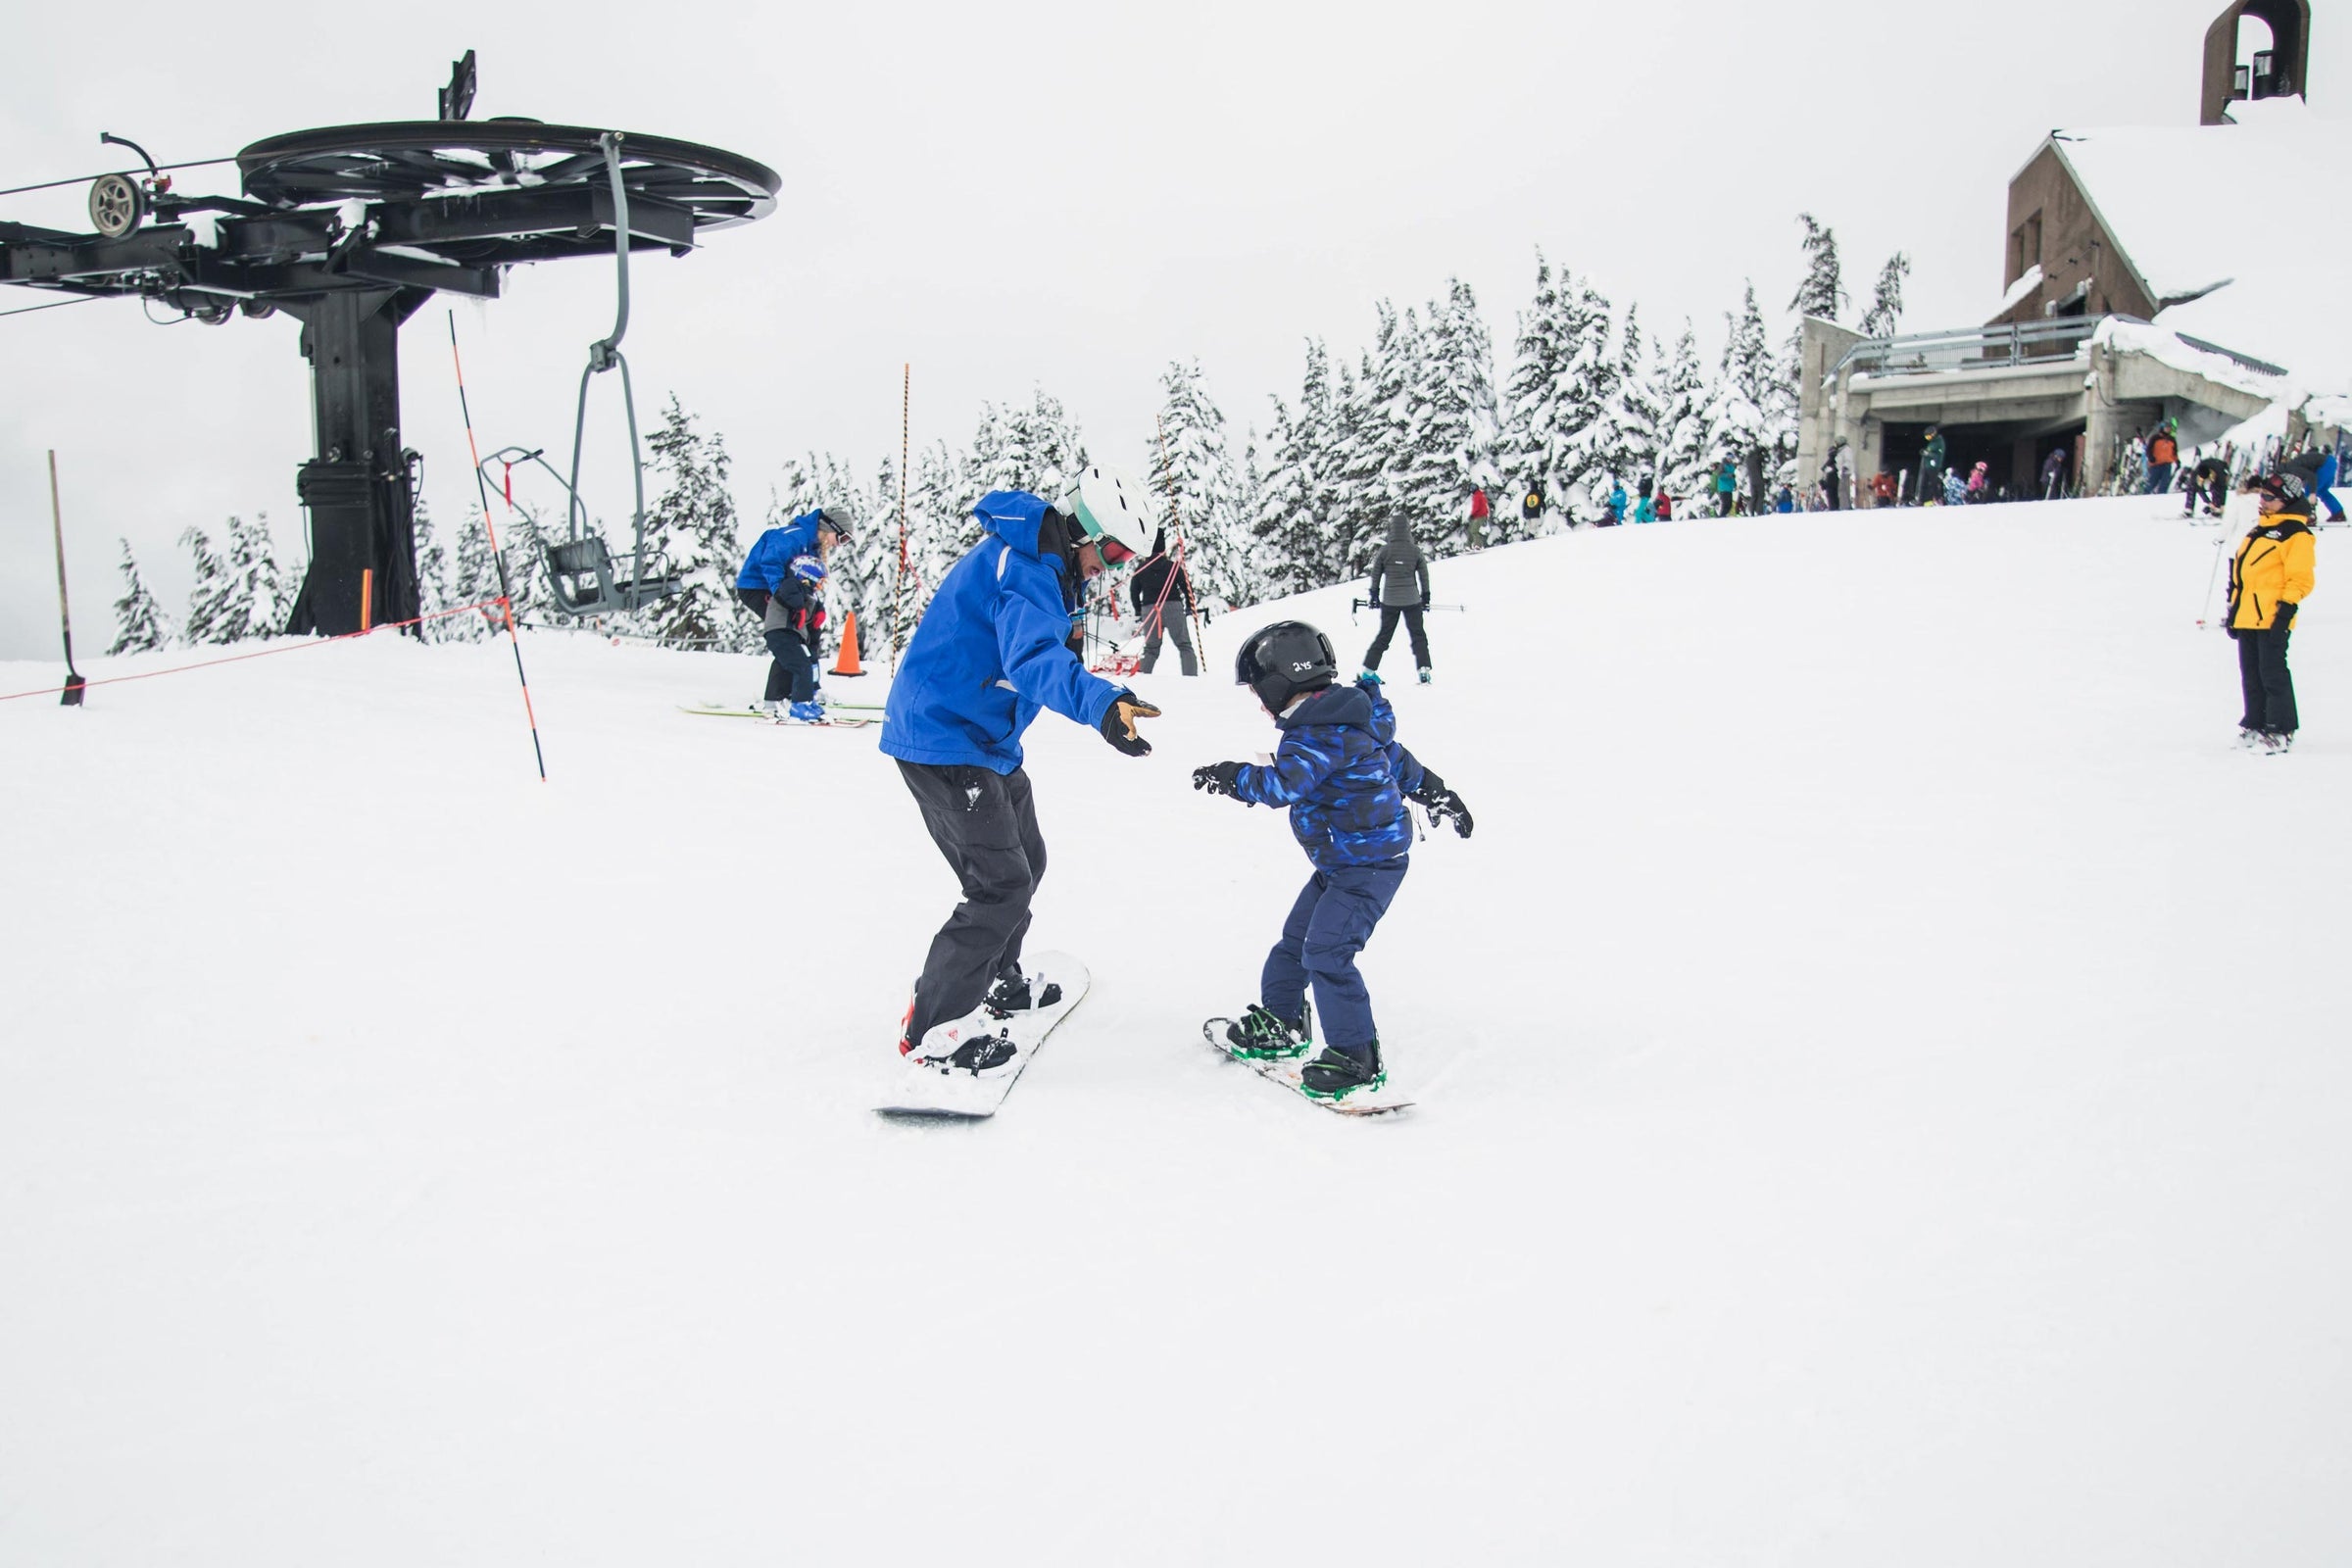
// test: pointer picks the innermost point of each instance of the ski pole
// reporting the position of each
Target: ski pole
(64, 620)
(2210, 578)
(1356, 605)
(482, 486)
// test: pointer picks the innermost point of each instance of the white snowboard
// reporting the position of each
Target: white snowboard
(962, 1096)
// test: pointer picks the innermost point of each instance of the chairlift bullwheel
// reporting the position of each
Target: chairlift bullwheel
(117, 204)
(433, 160)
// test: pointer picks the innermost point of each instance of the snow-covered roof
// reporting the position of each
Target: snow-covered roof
(2240, 222)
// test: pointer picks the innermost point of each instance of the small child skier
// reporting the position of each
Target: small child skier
(1345, 779)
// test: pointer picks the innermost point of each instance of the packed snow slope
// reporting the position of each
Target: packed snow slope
(1882, 1066)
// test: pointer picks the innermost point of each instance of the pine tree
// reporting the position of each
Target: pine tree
(432, 580)
(139, 622)
(1886, 300)
(1739, 421)
(1374, 436)
(257, 603)
(1193, 482)
(214, 615)
(1640, 411)
(694, 528)
(1454, 425)
(1681, 397)
(1584, 438)
(1823, 292)
(1539, 354)
(1293, 522)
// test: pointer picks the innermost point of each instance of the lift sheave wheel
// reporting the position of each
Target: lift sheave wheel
(116, 204)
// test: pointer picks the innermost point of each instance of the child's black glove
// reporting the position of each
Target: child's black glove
(1118, 724)
(1219, 778)
(1442, 803)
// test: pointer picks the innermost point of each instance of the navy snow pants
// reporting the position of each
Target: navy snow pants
(1328, 927)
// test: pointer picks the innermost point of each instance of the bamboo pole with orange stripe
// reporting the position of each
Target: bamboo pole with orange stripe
(498, 555)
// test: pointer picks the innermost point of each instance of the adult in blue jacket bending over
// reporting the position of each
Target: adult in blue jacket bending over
(990, 655)
(782, 583)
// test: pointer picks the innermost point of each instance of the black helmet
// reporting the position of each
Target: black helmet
(2285, 486)
(1284, 660)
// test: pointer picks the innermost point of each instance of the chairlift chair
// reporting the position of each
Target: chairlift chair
(581, 577)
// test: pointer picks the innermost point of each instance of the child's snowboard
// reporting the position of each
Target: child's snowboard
(1285, 1071)
(929, 1092)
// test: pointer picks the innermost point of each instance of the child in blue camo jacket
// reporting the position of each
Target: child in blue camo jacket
(1345, 780)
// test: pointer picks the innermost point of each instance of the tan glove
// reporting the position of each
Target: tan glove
(1118, 724)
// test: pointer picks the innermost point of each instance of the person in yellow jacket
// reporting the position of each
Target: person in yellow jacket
(2269, 581)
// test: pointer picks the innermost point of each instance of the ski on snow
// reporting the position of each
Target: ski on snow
(723, 710)
(949, 1095)
(1284, 1070)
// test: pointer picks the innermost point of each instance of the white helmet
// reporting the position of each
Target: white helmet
(1112, 510)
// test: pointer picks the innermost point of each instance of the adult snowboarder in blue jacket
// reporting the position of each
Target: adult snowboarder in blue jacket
(1345, 780)
(782, 582)
(990, 655)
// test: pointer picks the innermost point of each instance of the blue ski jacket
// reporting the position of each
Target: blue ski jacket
(770, 559)
(990, 652)
(1344, 776)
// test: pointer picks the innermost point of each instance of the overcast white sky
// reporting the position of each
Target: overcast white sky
(1024, 194)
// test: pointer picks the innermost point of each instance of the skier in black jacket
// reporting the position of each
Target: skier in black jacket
(1163, 591)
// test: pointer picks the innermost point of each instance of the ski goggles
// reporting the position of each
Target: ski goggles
(1113, 552)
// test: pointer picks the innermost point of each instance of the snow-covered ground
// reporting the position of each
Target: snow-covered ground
(1882, 1064)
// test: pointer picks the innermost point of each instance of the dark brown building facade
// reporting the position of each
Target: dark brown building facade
(2053, 226)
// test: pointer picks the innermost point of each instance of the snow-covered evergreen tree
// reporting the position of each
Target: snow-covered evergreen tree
(1823, 291)
(255, 602)
(1038, 448)
(1584, 437)
(693, 526)
(1194, 482)
(1679, 394)
(1638, 414)
(433, 569)
(1291, 528)
(1886, 300)
(939, 527)
(1529, 454)
(1740, 421)
(1375, 435)
(214, 615)
(1454, 425)
(140, 625)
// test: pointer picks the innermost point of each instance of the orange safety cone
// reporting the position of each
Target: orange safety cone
(847, 663)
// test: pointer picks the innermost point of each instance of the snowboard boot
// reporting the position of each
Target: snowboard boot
(1337, 1073)
(2249, 738)
(1012, 993)
(1424, 674)
(971, 1044)
(1260, 1036)
(2278, 742)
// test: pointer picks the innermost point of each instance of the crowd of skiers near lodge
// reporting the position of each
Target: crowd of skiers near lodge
(1001, 642)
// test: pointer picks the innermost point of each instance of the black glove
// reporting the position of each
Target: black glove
(1425, 601)
(1219, 778)
(2283, 614)
(1442, 803)
(1118, 724)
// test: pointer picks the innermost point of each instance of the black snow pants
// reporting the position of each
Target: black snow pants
(1414, 633)
(985, 825)
(791, 660)
(2262, 672)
